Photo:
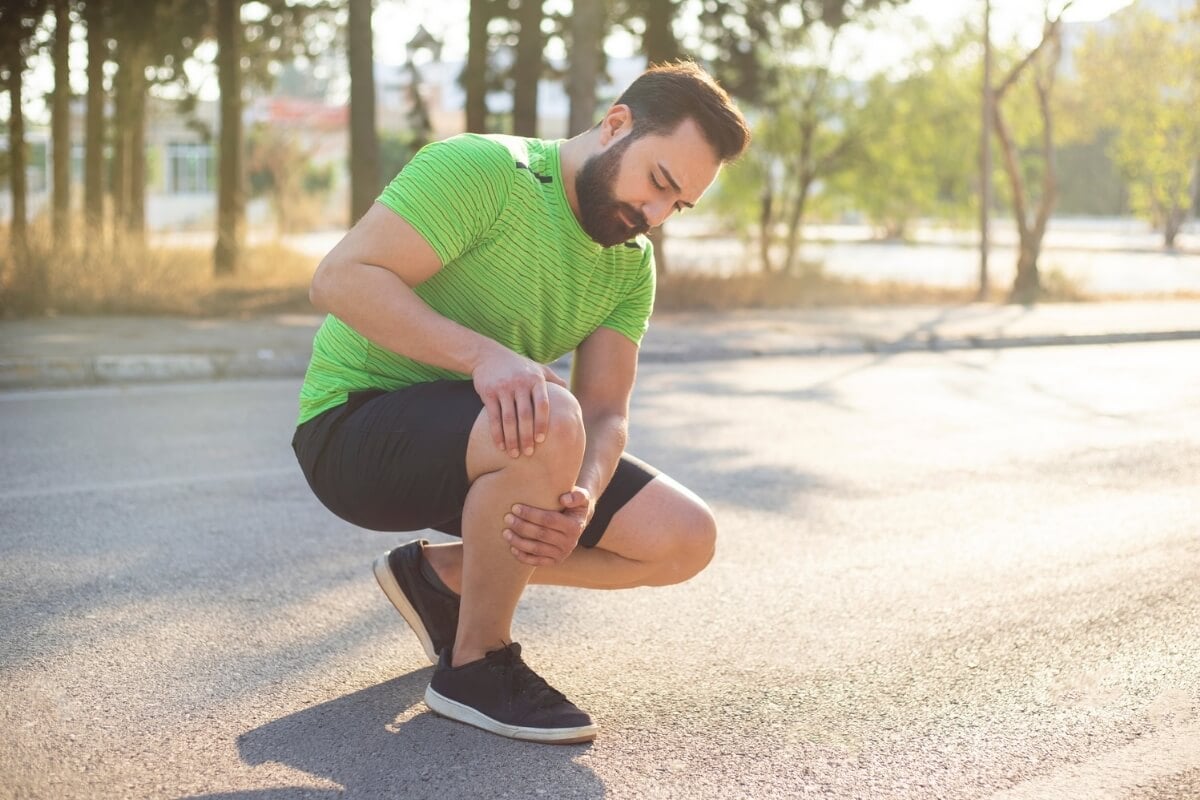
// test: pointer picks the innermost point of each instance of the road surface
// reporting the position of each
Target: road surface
(959, 575)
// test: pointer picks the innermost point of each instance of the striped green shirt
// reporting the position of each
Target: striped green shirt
(518, 268)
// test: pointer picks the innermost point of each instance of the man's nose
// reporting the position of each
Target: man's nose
(656, 213)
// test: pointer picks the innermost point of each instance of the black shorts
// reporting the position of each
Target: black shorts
(397, 461)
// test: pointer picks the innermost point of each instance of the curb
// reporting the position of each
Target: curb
(61, 372)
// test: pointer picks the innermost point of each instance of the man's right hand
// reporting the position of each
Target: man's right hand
(513, 390)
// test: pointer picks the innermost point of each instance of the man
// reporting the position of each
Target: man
(427, 403)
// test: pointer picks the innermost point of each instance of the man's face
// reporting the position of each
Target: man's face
(636, 184)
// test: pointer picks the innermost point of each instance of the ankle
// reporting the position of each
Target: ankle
(466, 649)
(446, 563)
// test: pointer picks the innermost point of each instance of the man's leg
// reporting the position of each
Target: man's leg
(490, 580)
(665, 534)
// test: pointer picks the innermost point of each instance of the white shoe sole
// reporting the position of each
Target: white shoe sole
(463, 713)
(387, 582)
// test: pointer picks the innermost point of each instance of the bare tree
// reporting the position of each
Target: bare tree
(1032, 221)
(364, 137)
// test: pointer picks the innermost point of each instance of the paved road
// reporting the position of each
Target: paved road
(959, 575)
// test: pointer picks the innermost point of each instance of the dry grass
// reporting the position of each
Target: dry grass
(103, 276)
(681, 292)
(86, 276)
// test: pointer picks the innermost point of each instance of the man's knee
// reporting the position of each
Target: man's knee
(565, 434)
(692, 543)
(563, 447)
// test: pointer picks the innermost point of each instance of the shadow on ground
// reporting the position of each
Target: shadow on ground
(382, 742)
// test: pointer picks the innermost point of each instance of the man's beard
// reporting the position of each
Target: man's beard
(598, 207)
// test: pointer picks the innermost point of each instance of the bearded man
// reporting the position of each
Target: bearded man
(428, 403)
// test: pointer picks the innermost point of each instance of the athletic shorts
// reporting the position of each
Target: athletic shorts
(397, 461)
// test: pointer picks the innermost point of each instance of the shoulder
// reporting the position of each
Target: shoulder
(483, 154)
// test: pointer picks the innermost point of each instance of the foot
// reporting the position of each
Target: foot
(430, 611)
(501, 694)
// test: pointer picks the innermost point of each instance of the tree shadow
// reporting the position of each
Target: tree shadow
(382, 742)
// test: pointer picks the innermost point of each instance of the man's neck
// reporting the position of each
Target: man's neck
(571, 155)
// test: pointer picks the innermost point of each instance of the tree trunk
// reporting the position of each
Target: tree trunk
(795, 225)
(587, 24)
(766, 223)
(659, 42)
(60, 122)
(364, 137)
(475, 78)
(120, 142)
(231, 198)
(1027, 287)
(135, 212)
(1173, 224)
(527, 71)
(16, 165)
(93, 167)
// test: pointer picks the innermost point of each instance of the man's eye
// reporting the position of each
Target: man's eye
(654, 180)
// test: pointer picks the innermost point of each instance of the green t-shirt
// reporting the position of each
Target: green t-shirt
(518, 268)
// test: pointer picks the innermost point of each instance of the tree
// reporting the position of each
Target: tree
(60, 121)
(918, 135)
(1032, 211)
(807, 139)
(587, 55)
(151, 43)
(527, 68)
(231, 193)
(474, 76)
(776, 56)
(364, 136)
(1141, 82)
(252, 44)
(19, 20)
(93, 185)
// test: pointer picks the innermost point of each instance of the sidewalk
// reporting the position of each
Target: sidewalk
(77, 351)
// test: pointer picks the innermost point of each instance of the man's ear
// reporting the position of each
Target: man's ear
(618, 122)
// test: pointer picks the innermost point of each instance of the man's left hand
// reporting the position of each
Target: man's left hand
(539, 537)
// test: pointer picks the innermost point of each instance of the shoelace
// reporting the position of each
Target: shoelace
(520, 679)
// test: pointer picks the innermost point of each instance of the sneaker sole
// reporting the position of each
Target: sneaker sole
(454, 710)
(387, 582)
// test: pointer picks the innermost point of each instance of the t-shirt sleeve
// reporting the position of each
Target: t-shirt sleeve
(452, 192)
(631, 317)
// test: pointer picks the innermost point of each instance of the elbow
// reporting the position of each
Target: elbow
(319, 289)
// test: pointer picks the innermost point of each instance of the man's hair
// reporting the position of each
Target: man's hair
(665, 95)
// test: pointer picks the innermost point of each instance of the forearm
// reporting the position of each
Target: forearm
(606, 438)
(380, 306)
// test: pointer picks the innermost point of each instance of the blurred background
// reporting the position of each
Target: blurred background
(188, 157)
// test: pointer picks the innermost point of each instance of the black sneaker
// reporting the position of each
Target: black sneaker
(430, 612)
(501, 694)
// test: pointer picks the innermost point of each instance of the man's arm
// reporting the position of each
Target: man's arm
(367, 282)
(602, 381)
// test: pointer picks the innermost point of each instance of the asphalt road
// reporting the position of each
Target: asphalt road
(960, 575)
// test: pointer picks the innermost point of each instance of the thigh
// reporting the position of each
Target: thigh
(395, 461)
(657, 521)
